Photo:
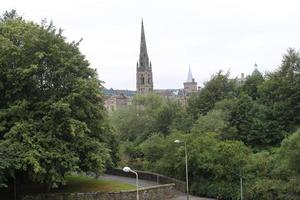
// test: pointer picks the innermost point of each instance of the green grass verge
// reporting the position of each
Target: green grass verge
(89, 184)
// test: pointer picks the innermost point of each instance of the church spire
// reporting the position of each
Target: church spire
(144, 59)
(144, 80)
(190, 76)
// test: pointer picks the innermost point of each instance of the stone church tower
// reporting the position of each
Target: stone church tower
(190, 85)
(144, 80)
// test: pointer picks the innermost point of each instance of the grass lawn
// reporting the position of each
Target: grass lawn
(88, 184)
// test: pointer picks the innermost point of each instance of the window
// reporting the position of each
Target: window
(142, 80)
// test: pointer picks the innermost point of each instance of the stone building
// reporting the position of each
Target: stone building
(241, 79)
(144, 79)
(113, 103)
(190, 85)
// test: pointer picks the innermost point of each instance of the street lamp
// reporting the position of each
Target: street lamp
(241, 183)
(186, 168)
(127, 169)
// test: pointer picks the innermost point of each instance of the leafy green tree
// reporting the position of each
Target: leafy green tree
(214, 121)
(217, 167)
(171, 161)
(248, 121)
(290, 153)
(153, 150)
(149, 114)
(172, 115)
(214, 166)
(260, 182)
(218, 88)
(131, 154)
(264, 188)
(276, 175)
(149, 117)
(287, 167)
(280, 92)
(52, 118)
(132, 122)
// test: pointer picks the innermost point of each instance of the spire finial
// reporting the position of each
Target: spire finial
(142, 25)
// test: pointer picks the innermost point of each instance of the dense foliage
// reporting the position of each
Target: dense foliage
(234, 129)
(52, 121)
(52, 118)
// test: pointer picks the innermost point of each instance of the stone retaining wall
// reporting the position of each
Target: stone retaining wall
(158, 192)
(150, 176)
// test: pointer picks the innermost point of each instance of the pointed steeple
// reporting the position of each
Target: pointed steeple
(144, 59)
(144, 80)
(190, 76)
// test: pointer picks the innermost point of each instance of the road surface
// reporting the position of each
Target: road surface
(144, 183)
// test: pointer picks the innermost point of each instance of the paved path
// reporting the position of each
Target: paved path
(145, 183)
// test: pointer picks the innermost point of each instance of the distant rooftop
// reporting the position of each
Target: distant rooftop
(112, 92)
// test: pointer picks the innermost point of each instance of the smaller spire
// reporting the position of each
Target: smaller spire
(255, 66)
(190, 76)
(256, 71)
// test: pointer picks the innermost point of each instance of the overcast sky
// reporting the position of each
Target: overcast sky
(209, 35)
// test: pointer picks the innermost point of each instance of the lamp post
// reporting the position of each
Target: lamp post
(186, 168)
(127, 169)
(241, 183)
